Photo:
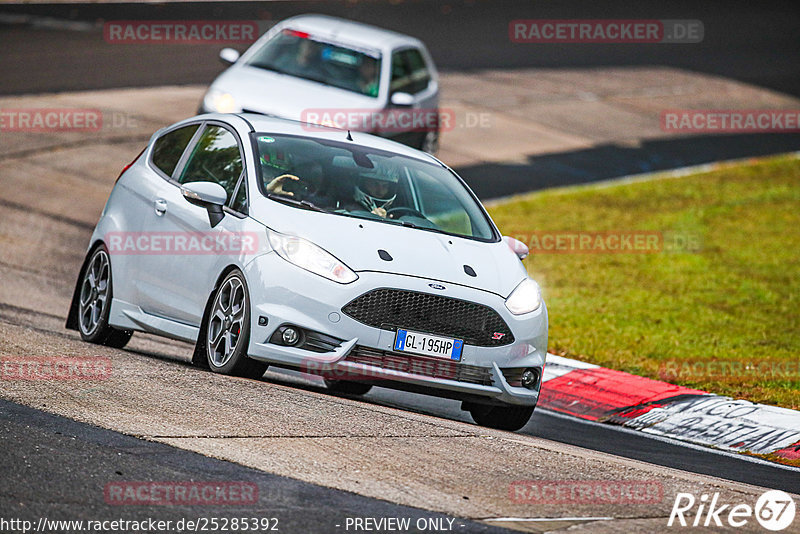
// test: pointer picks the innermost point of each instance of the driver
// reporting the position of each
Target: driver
(306, 184)
(377, 190)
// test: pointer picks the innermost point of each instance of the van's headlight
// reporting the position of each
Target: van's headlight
(310, 257)
(220, 102)
(525, 298)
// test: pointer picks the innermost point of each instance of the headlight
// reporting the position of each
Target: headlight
(221, 102)
(525, 298)
(310, 257)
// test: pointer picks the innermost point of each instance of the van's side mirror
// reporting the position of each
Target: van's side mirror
(229, 56)
(208, 195)
(517, 247)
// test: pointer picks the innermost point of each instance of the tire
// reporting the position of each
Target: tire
(94, 303)
(227, 330)
(348, 387)
(507, 417)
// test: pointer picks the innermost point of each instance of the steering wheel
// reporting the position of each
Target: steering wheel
(395, 213)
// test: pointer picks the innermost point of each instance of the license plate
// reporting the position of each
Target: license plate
(428, 345)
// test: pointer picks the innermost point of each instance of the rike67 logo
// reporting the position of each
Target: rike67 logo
(774, 510)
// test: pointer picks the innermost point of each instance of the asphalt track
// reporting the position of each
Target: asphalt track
(753, 42)
(55, 468)
(37, 482)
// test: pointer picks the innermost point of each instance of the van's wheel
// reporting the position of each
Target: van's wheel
(94, 303)
(227, 330)
(348, 387)
(500, 417)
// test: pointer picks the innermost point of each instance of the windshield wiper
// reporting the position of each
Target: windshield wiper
(299, 203)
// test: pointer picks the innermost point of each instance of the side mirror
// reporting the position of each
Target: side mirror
(229, 56)
(208, 195)
(402, 99)
(517, 247)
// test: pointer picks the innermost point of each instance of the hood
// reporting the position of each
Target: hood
(423, 254)
(285, 96)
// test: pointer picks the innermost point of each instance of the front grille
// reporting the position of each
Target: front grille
(422, 366)
(475, 323)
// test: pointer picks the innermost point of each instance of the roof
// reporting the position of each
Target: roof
(277, 125)
(350, 32)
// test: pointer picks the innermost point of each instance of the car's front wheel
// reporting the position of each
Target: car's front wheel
(500, 417)
(94, 303)
(227, 330)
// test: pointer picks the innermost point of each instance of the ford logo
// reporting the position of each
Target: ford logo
(440, 287)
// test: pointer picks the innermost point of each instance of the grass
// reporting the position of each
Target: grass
(722, 315)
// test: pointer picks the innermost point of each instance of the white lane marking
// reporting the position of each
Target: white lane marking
(49, 23)
(534, 519)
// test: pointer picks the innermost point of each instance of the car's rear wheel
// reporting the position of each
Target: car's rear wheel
(94, 303)
(227, 330)
(500, 417)
(348, 387)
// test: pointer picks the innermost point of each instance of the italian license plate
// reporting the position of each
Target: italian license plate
(428, 345)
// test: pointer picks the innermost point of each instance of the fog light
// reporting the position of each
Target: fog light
(290, 336)
(529, 379)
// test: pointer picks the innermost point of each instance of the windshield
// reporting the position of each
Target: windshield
(355, 181)
(304, 56)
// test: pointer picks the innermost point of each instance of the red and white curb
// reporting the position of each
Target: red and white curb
(598, 394)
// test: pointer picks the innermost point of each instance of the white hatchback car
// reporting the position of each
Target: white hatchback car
(266, 241)
(316, 68)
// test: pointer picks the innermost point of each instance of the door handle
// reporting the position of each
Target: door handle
(160, 206)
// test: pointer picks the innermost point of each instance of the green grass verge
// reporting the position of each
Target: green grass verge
(723, 317)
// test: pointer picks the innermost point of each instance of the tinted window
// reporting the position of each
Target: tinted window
(215, 158)
(355, 181)
(240, 203)
(168, 149)
(409, 72)
(305, 56)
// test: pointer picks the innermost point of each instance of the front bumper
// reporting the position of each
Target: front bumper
(282, 293)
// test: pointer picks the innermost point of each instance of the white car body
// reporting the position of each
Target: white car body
(252, 89)
(168, 294)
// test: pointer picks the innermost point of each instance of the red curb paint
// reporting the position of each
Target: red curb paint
(595, 393)
(792, 452)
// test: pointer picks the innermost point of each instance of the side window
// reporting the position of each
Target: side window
(409, 72)
(168, 149)
(240, 203)
(215, 158)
